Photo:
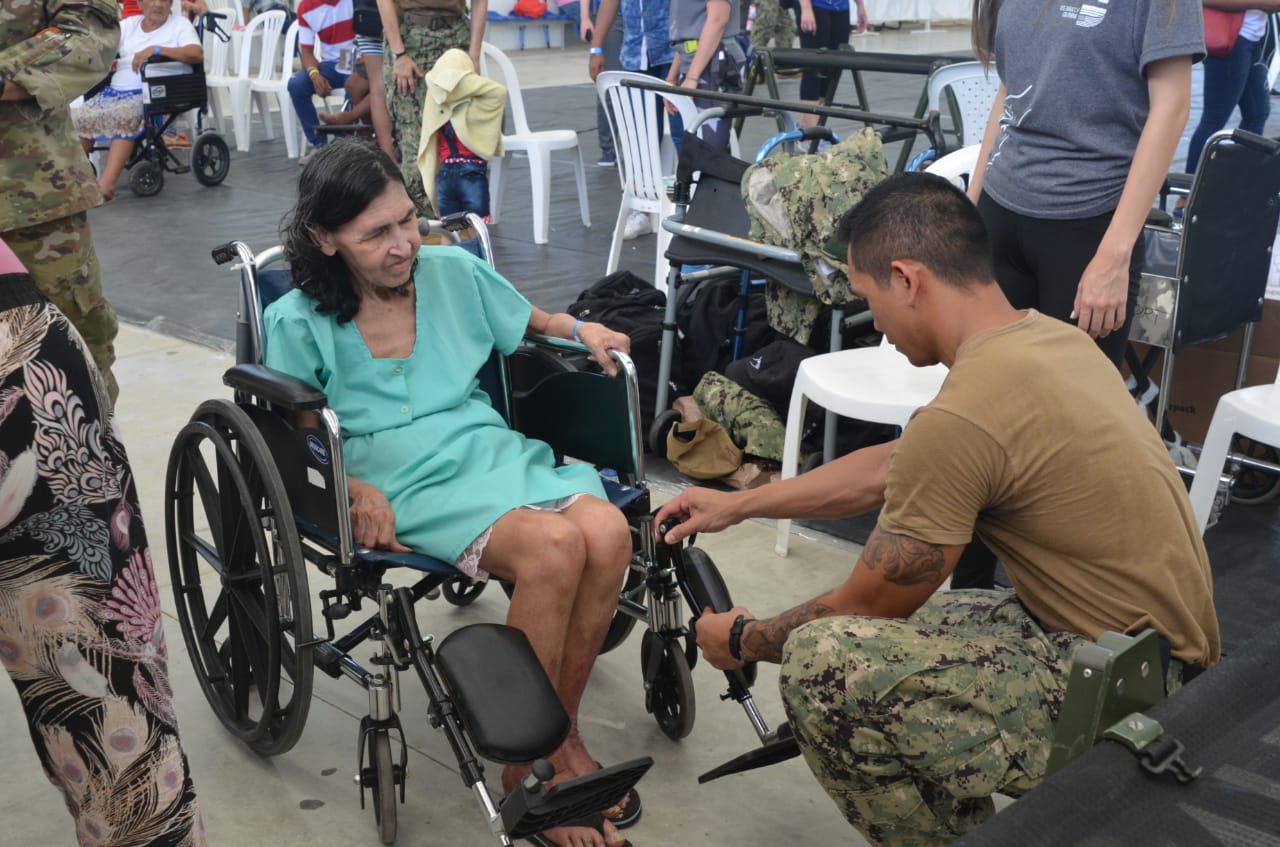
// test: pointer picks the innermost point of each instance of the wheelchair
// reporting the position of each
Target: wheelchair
(251, 501)
(164, 100)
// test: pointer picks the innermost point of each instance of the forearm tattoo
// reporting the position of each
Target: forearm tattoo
(903, 560)
(762, 640)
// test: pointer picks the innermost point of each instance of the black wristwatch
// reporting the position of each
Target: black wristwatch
(735, 638)
(395, 55)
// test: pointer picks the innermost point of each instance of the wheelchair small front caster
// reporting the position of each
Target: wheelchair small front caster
(668, 685)
(662, 423)
(381, 774)
(462, 591)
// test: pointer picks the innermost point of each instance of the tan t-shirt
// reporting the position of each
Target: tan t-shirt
(1034, 442)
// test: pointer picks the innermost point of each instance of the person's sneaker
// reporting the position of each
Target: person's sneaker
(608, 159)
(1181, 453)
(638, 224)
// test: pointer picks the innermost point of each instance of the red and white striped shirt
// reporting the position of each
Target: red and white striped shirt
(326, 21)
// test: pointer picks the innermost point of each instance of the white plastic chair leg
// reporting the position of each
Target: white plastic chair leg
(583, 204)
(497, 174)
(288, 124)
(263, 105)
(791, 458)
(1217, 443)
(615, 246)
(540, 180)
(240, 117)
(664, 240)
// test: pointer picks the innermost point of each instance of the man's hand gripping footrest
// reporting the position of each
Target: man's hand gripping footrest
(781, 748)
(533, 807)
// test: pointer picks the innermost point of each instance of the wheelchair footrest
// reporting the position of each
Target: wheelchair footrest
(526, 812)
(780, 749)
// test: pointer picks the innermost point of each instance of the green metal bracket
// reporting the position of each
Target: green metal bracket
(1111, 679)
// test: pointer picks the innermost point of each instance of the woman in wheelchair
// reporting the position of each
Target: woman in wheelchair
(394, 334)
(113, 116)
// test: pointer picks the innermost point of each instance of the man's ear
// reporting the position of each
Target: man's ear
(324, 240)
(906, 277)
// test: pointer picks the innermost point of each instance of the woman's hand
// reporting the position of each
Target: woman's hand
(807, 21)
(140, 58)
(406, 74)
(373, 524)
(1103, 293)
(600, 340)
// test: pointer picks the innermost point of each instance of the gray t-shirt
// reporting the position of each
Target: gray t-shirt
(687, 17)
(1077, 97)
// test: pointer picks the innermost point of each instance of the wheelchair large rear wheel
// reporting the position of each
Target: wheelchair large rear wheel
(1253, 485)
(146, 178)
(210, 159)
(239, 578)
(669, 694)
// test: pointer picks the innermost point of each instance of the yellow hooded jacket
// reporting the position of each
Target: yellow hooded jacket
(474, 104)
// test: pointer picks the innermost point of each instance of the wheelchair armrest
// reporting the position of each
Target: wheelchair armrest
(275, 387)
(1176, 183)
(557, 343)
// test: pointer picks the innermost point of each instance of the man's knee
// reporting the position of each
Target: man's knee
(300, 85)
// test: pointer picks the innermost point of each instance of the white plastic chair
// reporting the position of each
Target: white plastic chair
(219, 65)
(957, 166)
(635, 115)
(273, 78)
(974, 88)
(1253, 412)
(536, 146)
(876, 384)
(249, 93)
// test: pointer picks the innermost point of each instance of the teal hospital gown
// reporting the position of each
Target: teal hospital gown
(421, 429)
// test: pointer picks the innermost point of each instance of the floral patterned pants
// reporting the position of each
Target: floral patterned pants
(80, 626)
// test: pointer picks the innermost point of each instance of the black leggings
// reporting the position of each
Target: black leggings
(831, 30)
(1039, 262)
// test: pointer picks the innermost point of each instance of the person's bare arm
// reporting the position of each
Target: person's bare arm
(312, 66)
(851, 485)
(597, 337)
(894, 576)
(479, 20)
(709, 39)
(191, 54)
(989, 136)
(1268, 6)
(1103, 290)
(605, 17)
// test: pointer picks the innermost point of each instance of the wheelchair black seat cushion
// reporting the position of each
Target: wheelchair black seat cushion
(506, 702)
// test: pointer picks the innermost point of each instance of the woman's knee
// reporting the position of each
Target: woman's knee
(607, 534)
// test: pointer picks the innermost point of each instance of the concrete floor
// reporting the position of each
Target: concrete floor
(306, 797)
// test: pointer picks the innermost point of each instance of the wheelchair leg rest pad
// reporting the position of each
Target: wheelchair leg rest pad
(527, 812)
(781, 749)
(506, 702)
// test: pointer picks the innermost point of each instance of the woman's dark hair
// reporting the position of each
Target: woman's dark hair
(339, 183)
(983, 30)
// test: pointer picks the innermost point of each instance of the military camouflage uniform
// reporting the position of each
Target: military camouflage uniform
(424, 46)
(772, 25)
(56, 50)
(750, 421)
(911, 725)
(796, 202)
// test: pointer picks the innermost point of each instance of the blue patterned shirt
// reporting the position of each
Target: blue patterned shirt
(646, 39)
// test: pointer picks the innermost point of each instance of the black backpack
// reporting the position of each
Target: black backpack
(626, 303)
(705, 316)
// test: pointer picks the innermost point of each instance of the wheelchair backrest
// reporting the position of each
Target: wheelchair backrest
(1230, 223)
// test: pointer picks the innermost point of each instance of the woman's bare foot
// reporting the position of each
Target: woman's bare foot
(601, 834)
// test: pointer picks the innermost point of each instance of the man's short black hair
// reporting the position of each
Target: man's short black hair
(923, 217)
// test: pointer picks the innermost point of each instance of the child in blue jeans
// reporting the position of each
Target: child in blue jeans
(462, 181)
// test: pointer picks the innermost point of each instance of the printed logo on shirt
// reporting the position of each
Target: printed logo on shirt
(1086, 14)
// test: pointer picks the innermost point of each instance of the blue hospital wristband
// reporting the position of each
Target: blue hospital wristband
(596, 51)
(576, 324)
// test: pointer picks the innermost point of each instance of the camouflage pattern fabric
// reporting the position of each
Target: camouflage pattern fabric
(796, 201)
(750, 421)
(773, 24)
(424, 46)
(61, 260)
(791, 313)
(56, 50)
(911, 725)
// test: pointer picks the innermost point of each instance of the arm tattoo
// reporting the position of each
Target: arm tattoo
(762, 640)
(904, 560)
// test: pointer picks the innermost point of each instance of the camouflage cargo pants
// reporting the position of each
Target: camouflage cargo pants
(424, 46)
(773, 27)
(750, 421)
(60, 256)
(911, 725)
